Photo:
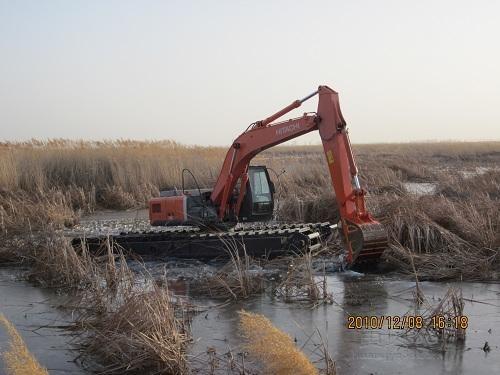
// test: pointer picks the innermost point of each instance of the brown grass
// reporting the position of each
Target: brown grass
(126, 173)
(21, 212)
(301, 285)
(274, 348)
(50, 183)
(18, 359)
(124, 321)
(45, 186)
(438, 322)
(448, 238)
(55, 263)
(142, 331)
(114, 174)
(236, 280)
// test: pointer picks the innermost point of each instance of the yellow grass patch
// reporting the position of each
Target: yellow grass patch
(273, 347)
(18, 360)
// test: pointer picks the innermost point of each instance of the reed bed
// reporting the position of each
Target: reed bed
(145, 331)
(125, 322)
(447, 238)
(54, 182)
(56, 263)
(450, 264)
(114, 174)
(126, 173)
(21, 212)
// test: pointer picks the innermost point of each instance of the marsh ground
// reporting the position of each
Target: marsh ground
(379, 351)
(440, 202)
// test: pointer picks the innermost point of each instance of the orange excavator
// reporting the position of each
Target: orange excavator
(245, 193)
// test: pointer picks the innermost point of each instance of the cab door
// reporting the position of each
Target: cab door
(258, 204)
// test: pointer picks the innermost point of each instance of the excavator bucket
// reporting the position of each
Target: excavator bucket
(367, 242)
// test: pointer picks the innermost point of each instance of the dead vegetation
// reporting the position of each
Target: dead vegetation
(110, 174)
(442, 323)
(21, 212)
(300, 284)
(142, 331)
(18, 359)
(293, 279)
(55, 263)
(124, 321)
(230, 361)
(124, 173)
(438, 324)
(442, 234)
(240, 278)
(131, 325)
(50, 183)
(274, 348)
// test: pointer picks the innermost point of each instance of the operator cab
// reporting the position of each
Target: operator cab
(258, 203)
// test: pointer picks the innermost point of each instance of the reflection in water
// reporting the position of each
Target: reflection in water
(360, 294)
(354, 347)
(365, 351)
(355, 351)
(453, 359)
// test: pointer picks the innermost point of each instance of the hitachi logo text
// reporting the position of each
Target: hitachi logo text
(287, 129)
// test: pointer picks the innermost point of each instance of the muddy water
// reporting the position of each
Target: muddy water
(364, 351)
(34, 313)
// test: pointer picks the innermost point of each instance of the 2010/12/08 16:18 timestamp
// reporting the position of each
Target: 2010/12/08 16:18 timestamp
(406, 322)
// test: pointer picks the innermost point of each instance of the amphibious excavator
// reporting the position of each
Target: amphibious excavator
(245, 193)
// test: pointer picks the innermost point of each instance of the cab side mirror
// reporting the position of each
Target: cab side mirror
(272, 187)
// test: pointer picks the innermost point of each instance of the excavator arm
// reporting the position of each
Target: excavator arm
(365, 238)
(246, 147)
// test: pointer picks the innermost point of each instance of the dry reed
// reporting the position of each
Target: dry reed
(114, 174)
(56, 263)
(18, 359)
(126, 173)
(50, 183)
(442, 234)
(301, 285)
(125, 322)
(238, 279)
(45, 186)
(442, 323)
(274, 348)
(143, 331)
(212, 362)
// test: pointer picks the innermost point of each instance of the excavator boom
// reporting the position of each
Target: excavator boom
(364, 237)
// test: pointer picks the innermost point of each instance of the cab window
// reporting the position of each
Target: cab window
(260, 186)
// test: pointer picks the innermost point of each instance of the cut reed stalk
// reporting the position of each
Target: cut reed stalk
(274, 348)
(18, 359)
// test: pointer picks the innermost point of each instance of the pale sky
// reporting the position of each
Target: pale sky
(199, 72)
